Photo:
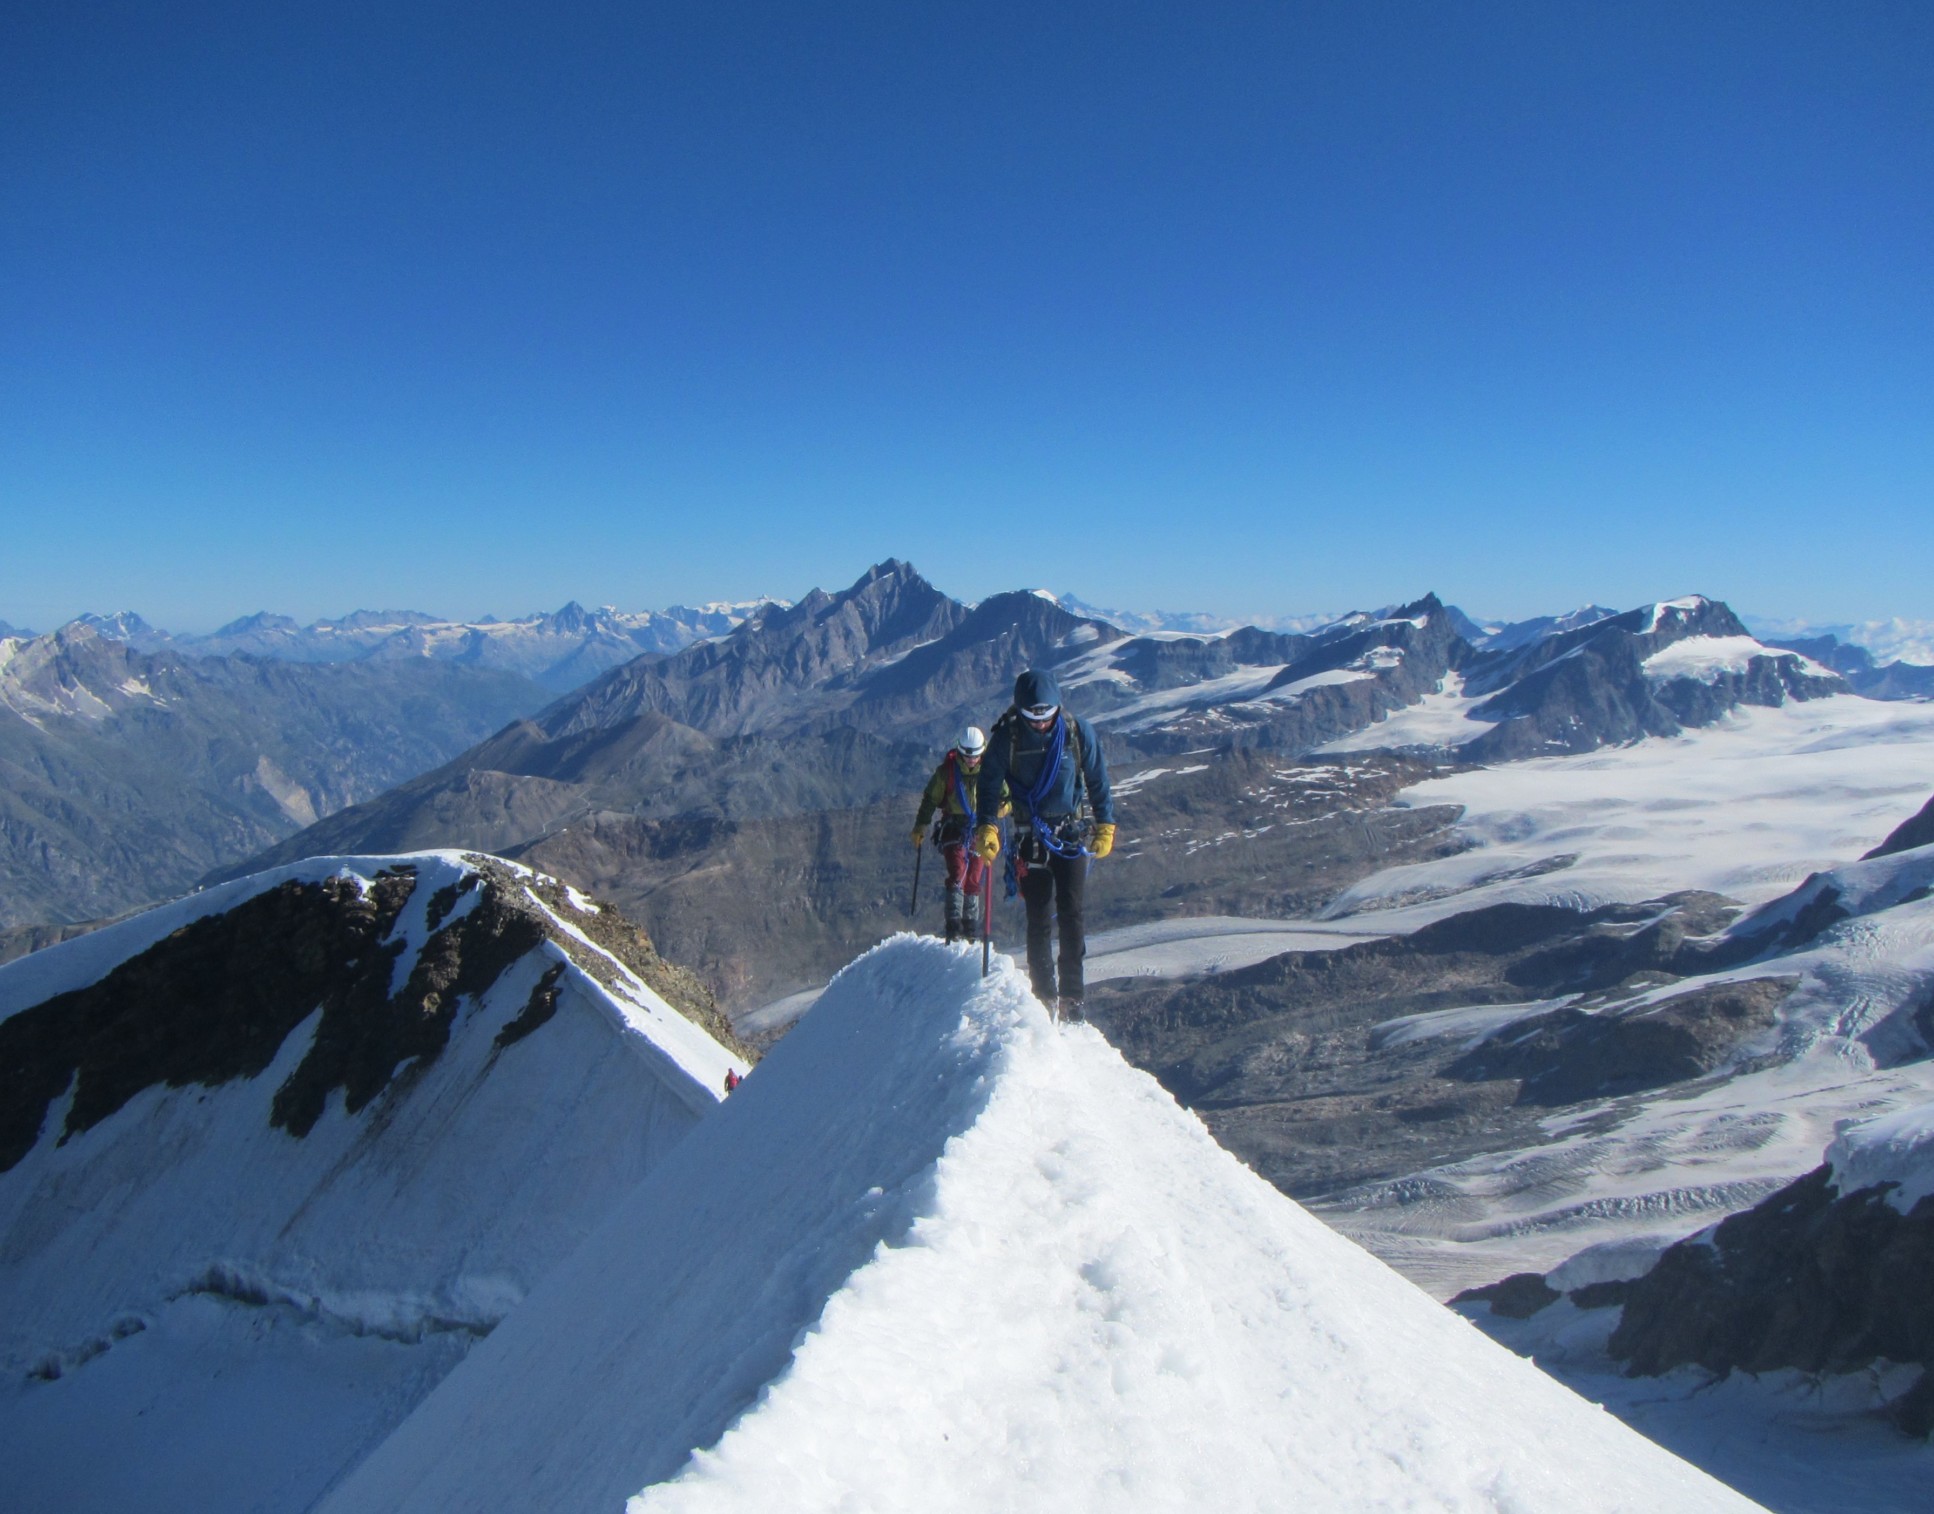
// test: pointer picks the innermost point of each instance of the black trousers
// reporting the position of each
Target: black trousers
(1052, 891)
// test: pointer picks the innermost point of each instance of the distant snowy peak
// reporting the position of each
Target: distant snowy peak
(561, 649)
(1185, 622)
(75, 673)
(1896, 640)
(125, 626)
(1576, 682)
(1506, 636)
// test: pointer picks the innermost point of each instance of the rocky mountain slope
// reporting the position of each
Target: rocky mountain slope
(126, 776)
(275, 1157)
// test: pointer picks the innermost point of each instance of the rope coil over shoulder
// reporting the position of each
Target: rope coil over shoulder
(1051, 841)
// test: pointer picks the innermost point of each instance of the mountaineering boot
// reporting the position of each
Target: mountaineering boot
(971, 917)
(1069, 1011)
(955, 899)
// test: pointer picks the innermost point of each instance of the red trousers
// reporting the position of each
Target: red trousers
(964, 870)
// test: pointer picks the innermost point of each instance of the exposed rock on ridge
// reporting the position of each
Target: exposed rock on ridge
(214, 1001)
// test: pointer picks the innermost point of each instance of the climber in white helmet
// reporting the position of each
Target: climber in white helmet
(952, 793)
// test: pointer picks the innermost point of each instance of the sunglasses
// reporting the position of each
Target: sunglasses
(1040, 714)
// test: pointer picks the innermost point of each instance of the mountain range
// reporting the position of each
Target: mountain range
(1560, 963)
(748, 796)
(559, 650)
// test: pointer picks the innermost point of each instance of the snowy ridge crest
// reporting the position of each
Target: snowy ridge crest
(1031, 1278)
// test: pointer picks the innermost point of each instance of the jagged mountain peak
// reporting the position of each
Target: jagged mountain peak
(571, 616)
(122, 625)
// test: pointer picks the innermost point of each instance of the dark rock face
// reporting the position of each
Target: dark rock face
(1849, 661)
(215, 1001)
(1809, 1279)
(210, 1004)
(1917, 830)
(365, 1032)
(1568, 1055)
(1518, 1296)
(1896, 680)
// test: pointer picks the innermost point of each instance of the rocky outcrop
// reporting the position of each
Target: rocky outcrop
(1810, 1279)
(1915, 831)
(216, 1000)
(1569, 1055)
(1518, 1296)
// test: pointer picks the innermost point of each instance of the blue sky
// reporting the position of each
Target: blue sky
(1253, 308)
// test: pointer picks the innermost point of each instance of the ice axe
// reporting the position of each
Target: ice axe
(913, 904)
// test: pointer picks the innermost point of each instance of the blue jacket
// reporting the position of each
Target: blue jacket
(1016, 753)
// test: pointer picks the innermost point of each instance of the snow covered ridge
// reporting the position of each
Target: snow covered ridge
(938, 1254)
(1897, 1148)
(1826, 898)
(279, 1153)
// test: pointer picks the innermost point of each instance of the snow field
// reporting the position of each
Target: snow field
(1746, 808)
(1440, 719)
(939, 1254)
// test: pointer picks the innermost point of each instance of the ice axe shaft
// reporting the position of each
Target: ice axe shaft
(986, 916)
(913, 904)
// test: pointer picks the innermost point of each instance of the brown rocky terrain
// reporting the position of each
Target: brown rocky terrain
(1297, 1066)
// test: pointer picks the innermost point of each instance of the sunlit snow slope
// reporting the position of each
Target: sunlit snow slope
(202, 1309)
(937, 1254)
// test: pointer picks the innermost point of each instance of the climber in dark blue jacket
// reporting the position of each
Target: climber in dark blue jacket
(1050, 762)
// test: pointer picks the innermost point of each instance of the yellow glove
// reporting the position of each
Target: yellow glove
(919, 834)
(987, 843)
(1104, 841)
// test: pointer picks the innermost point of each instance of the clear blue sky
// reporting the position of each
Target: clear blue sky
(1245, 307)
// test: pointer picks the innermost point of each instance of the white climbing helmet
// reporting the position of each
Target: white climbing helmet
(972, 742)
